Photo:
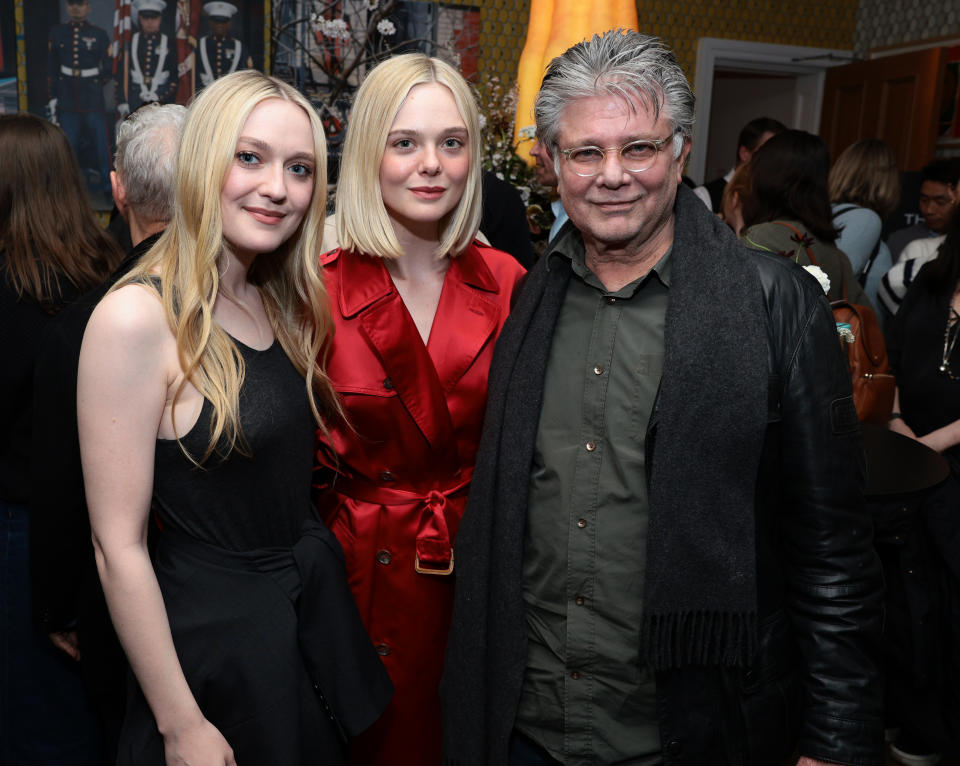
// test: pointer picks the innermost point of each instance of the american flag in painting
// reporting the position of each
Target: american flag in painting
(188, 24)
(121, 30)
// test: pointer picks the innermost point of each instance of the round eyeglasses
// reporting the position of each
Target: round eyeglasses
(635, 156)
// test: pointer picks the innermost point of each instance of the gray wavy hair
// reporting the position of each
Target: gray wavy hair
(620, 63)
(146, 158)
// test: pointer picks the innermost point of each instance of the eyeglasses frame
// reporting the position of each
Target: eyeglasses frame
(656, 142)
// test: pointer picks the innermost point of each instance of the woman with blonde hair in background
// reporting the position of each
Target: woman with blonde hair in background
(864, 187)
(201, 384)
(418, 305)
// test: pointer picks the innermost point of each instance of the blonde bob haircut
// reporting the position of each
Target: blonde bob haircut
(186, 259)
(363, 223)
(866, 174)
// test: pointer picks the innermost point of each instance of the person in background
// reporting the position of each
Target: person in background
(752, 136)
(787, 209)
(199, 388)
(68, 601)
(665, 557)
(731, 206)
(148, 74)
(51, 250)
(925, 358)
(418, 305)
(219, 53)
(78, 65)
(504, 219)
(895, 283)
(864, 188)
(547, 176)
(938, 198)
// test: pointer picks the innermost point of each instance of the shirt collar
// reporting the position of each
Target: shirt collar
(569, 245)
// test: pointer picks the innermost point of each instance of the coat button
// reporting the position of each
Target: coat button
(611, 299)
(384, 557)
(383, 650)
(575, 675)
(591, 446)
(386, 476)
(578, 600)
(674, 748)
(598, 369)
(581, 523)
(388, 384)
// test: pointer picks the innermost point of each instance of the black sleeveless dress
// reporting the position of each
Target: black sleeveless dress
(255, 590)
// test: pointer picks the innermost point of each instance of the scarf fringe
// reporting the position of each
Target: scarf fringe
(671, 641)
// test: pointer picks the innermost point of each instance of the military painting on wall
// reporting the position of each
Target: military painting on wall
(89, 63)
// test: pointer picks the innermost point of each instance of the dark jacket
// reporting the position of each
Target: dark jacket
(813, 682)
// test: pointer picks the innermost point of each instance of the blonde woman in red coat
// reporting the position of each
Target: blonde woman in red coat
(418, 305)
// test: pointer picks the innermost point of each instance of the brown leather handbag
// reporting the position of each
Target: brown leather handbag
(873, 383)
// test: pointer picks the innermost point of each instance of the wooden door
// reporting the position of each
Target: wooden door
(895, 98)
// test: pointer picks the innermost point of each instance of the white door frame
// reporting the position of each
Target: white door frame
(809, 64)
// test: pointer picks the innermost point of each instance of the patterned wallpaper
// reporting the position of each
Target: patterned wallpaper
(818, 23)
(889, 22)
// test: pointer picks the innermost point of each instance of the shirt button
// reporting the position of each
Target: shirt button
(591, 446)
(383, 650)
(579, 600)
(598, 370)
(384, 557)
(386, 476)
(581, 523)
(575, 675)
(388, 384)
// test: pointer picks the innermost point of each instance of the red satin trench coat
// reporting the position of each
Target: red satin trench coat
(394, 481)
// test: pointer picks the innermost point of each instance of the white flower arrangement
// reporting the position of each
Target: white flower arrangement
(820, 275)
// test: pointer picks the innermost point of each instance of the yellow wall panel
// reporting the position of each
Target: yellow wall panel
(816, 23)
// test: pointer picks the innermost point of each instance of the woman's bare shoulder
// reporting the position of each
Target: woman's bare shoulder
(130, 314)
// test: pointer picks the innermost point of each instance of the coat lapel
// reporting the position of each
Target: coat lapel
(466, 319)
(367, 293)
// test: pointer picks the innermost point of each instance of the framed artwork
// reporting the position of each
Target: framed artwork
(325, 47)
(87, 63)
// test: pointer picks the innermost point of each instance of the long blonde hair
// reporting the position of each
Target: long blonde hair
(186, 260)
(363, 223)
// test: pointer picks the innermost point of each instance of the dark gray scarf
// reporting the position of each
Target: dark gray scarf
(710, 421)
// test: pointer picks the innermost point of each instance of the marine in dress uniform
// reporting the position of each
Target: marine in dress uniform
(150, 73)
(78, 66)
(219, 53)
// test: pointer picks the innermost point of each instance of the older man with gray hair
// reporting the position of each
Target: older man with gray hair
(67, 599)
(145, 161)
(665, 557)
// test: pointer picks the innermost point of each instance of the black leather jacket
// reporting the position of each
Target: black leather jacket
(819, 580)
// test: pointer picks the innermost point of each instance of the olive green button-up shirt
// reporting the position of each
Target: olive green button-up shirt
(587, 698)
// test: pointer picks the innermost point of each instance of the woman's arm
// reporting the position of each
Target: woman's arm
(940, 440)
(943, 438)
(128, 366)
(896, 422)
